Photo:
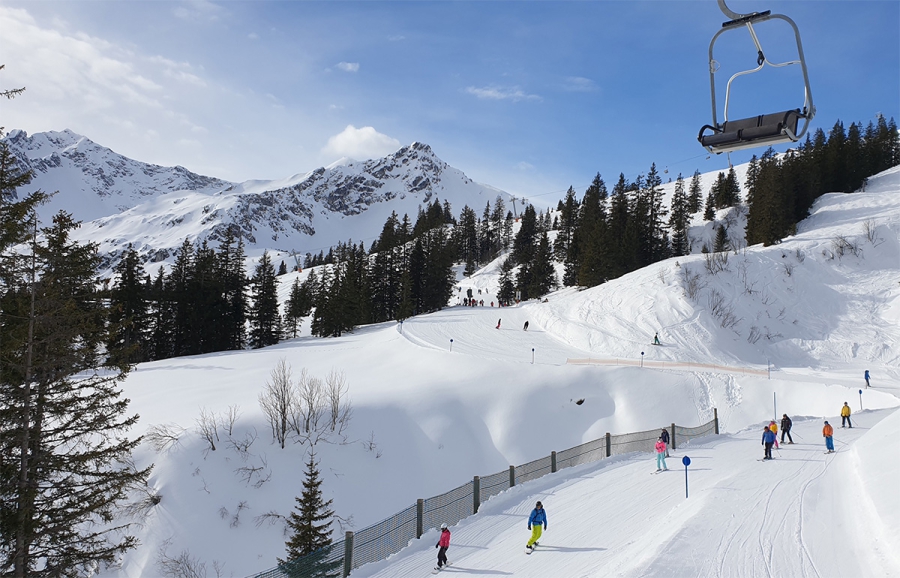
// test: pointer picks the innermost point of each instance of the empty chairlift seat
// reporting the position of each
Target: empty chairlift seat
(752, 132)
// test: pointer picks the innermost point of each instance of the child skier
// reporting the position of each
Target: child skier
(774, 427)
(443, 544)
(660, 455)
(768, 438)
(538, 519)
(828, 434)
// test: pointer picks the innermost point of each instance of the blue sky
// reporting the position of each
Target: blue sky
(530, 97)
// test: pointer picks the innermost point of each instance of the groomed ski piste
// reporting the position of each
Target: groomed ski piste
(428, 414)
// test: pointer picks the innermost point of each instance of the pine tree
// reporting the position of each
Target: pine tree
(722, 243)
(265, 321)
(507, 292)
(543, 274)
(695, 195)
(310, 524)
(590, 235)
(679, 219)
(63, 426)
(232, 324)
(128, 317)
(709, 211)
(160, 313)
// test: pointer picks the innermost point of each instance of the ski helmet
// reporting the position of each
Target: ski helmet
(444, 526)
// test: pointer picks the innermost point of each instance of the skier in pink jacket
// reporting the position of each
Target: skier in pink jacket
(660, 455)
(443, 544)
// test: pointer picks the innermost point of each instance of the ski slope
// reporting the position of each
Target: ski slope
(800, 515)
(429, 414)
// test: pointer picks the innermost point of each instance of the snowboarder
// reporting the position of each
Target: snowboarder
(443, 544)
(664, 436)
(828, 434)
(661, 455)
(498, 323)
(538, 519)
(774, 427)
(526, 326)
(786, 424)
(768, 438)
(656, 338)
(845, 415)
(867, 379)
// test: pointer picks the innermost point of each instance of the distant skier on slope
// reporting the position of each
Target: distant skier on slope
(867, 378)
(443, 544)
(768, 438)
(845, 415)
(828, 434)
(526, 327)
(661, 455)
(498, 323)
(664, 436)
(656, 338)
(537, 520)
(786, 425)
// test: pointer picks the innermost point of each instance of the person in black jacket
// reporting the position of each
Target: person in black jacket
(786, 428)
(664, 436)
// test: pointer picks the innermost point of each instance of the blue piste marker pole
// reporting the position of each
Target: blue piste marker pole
(532, 355)
(686, 461)
(860, 400)
(451, 345)
(642, 359)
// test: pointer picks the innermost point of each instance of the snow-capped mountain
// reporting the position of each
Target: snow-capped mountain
(122, 201)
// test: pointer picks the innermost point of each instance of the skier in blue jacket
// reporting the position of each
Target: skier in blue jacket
(768, 439)
(538, 521)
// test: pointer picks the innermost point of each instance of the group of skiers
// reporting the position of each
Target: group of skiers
(537, 523)
(537, 520)
(770, 432)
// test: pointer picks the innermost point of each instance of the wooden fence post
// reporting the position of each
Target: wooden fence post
(420, 517)
(608, 445)
(552, 462)
(476, 494)
(348, 553)
(673, 437)
(512, 476)
(716, 419)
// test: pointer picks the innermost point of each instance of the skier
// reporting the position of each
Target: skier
(828, 434)
(538, 519)
(786, 424)
(768, 438)
(774, 427)
(498, 323)
(656, 338)
(867, 379)
(660, 455)
(526, 326)
(845, 415)
(443, 544)
(664, 436)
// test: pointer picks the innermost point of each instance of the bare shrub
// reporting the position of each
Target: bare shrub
(754, 335)
(661, 275)
(716, 262)
(788, 269)
(271, 518)
(163, 437)
(228, 419)
(310, 407)
(841, 246)
(208, 426)
(277, 400)
(743, 275)
(253, 475)
(871, 233)
(182, 565)
(800, 255)
(242, 446)
(722, 310)
(338, 401)
(372, 446)
(691, 282)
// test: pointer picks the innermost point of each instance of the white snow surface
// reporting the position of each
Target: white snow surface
(430, 413)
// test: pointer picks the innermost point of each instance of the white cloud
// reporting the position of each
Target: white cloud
(348, 66)
(360, 143)
(199, 10)
(493, 92)
(523, 166)
(253, 36)
(580, 84)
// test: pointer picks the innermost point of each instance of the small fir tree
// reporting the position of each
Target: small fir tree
(310, 522)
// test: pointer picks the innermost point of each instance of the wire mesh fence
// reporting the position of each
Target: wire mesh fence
(449, 508)
(392, 534)
(387, 537)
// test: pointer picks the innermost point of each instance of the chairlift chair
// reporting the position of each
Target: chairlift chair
(764, 129)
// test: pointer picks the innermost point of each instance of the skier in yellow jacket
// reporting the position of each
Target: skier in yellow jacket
(845, 415)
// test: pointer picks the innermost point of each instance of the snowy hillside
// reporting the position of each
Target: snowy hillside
(447, 396)
(122, 201)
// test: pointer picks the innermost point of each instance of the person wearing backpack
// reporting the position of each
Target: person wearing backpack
(538, 521)
(768, 439)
